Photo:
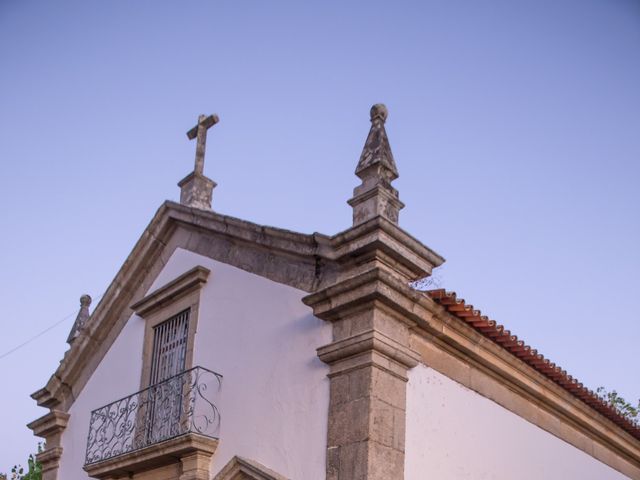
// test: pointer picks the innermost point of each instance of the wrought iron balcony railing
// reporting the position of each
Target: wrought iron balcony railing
(179, 405)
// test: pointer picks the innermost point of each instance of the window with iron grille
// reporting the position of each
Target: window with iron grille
(169, 347)
(164, 409)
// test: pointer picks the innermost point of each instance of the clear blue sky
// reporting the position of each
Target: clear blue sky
(515, 126)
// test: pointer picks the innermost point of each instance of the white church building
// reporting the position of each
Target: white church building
(334, 366)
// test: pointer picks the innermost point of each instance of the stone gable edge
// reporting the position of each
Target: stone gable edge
(280, 255)
(458, 351)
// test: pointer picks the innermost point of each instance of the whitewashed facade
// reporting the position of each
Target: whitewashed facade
(332, 365)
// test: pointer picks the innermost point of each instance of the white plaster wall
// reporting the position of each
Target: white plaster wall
(455, 433)
(117, 376)
(275, 393)
(259, 335)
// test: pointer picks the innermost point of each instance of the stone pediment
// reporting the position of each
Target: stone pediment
(285, 257)
(303, 261)
(244, 469)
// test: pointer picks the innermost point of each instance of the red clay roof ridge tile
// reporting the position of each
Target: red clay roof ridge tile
(496, 332)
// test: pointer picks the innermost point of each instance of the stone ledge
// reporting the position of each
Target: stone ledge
(352, 347)
(334, 302)
(49, 458)
(51, 423)
(380, 233)
(153, 456)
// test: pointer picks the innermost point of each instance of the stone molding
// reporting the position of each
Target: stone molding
(50, 461)
(379, 238)
(286, 257)
(305, 262)
(172, 291)
(356, 292)
(192, 451)
(50, 424)
(49, 457)
(371, 348)
(240, 468)
(50, 427)
(455, 349)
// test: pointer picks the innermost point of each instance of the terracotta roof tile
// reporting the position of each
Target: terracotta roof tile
(496, 332)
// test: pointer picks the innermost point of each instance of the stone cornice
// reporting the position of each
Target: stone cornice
(371, 348)
(455, 337)
(86, 351)
(49, 424)
(363, 342)
(177, 288)
(380, 236)
(50, 458)
(287, 257)
(270, 237)
(376, 284)
(306, 262)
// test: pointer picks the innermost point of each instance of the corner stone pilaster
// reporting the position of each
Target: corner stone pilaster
(367, 409)
(50, 427)
(369, 356)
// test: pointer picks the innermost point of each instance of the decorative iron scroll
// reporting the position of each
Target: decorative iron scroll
(179, 405)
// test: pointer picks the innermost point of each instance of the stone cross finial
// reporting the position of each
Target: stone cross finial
(200, 132)
(81, 318)
(196, 189)
(377, 169)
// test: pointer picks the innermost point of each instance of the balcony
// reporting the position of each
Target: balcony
(156, 426)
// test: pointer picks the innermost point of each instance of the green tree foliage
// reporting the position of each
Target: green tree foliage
(32, 472)
(626, 409)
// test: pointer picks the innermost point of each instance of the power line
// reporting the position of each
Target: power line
(38, 335)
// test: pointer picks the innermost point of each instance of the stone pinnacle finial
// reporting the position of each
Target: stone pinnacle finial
(196, 190)
(81, 318)
(377, 169)
(376, 148)
(379, 111)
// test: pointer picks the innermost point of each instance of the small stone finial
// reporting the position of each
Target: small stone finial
(377, 169)
(377, 150)
(379, 111)
(81, 318)
(196, 189)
